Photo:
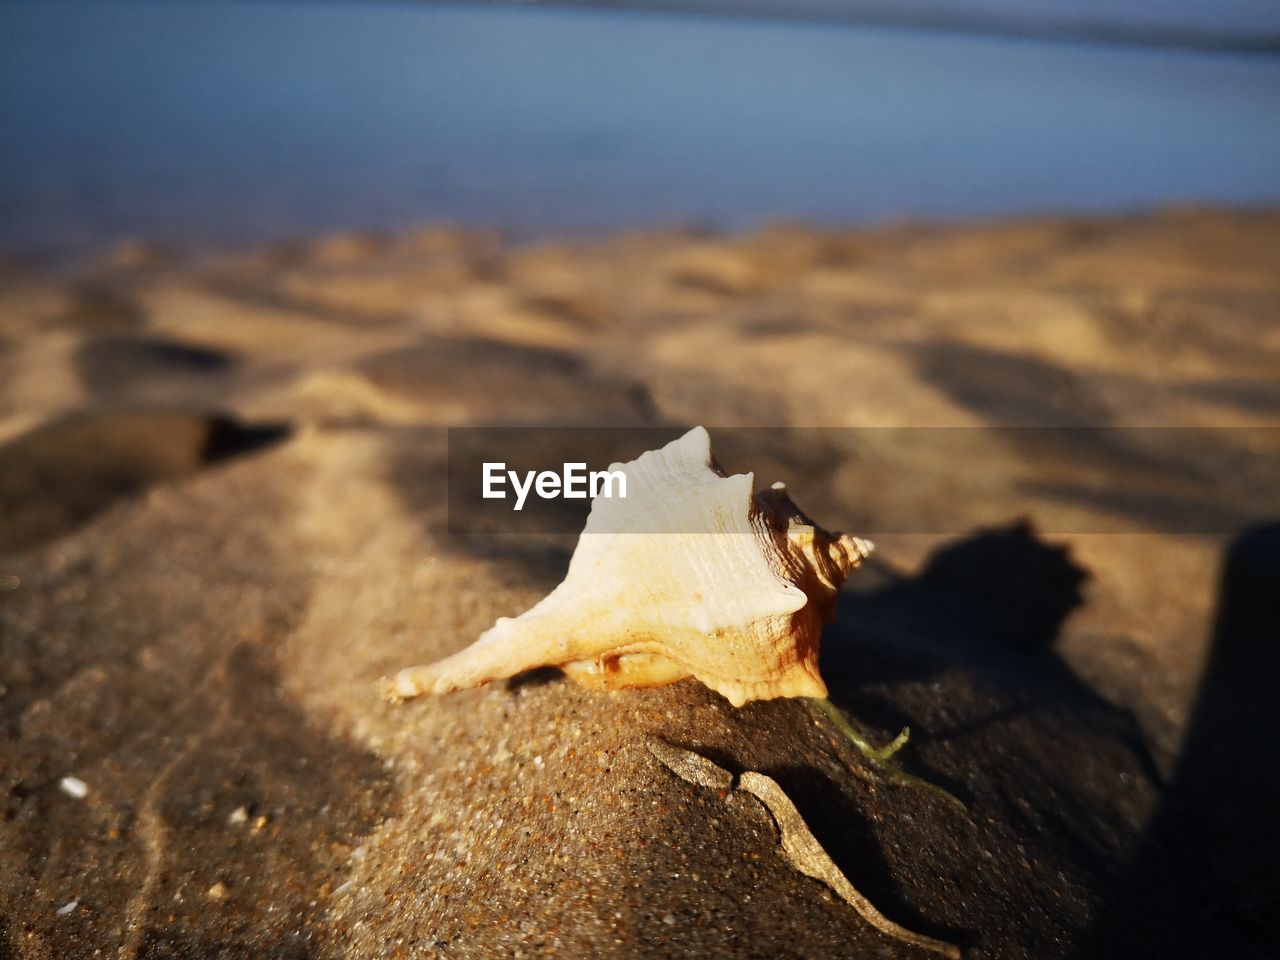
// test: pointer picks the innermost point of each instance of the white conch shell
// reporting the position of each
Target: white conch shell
(688, 576)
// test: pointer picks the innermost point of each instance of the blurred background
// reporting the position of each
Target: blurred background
(234, 122)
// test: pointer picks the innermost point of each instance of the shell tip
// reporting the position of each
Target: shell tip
(408, 684)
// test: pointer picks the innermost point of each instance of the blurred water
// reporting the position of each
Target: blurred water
(228, 122)
(1213, 24)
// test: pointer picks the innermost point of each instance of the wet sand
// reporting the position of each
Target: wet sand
(223, 517)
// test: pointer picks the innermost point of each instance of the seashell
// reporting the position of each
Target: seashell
(689, 575)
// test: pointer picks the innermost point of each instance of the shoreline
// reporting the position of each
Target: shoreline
(127, 249)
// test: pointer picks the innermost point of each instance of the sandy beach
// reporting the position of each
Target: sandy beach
(223, 516)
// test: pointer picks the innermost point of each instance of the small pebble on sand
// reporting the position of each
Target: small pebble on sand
(218, 891)
(67, 907)
(74, 787)
(238, 816)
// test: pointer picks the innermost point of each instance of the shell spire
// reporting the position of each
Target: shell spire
(689, 576)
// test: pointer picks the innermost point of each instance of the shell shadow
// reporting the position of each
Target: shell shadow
(964, 653)
(537, 677)
(992, 604)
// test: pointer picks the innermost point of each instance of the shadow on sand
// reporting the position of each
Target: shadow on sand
(1206, 880)
(992, 603)
(63, 473)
